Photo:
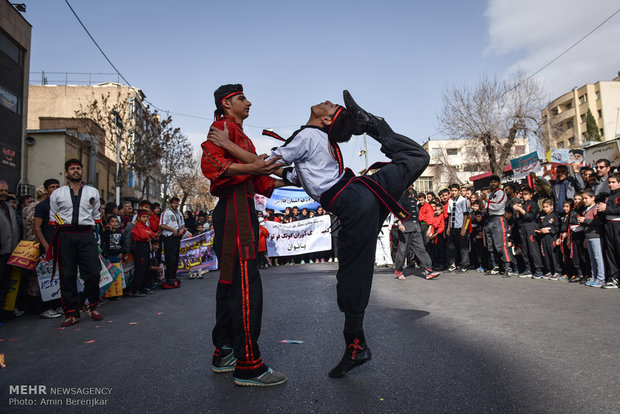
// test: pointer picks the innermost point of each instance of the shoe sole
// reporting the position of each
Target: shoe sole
(432, 276)
(222, 370)
(253, 383)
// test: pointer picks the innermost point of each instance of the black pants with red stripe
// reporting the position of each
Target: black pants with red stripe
(362, 215)
(78, 250)
(496, 230)
(612, 250)
(239, 304)
(530, 248)
(549, 253)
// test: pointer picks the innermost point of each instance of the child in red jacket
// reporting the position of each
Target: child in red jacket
(142, 236)
(263, 233)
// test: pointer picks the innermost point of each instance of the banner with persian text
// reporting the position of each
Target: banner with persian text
(299, 237)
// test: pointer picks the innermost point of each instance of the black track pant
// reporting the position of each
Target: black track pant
(362, 216)
(530, 248)
(496, 231)
(549, 254)
(78, 249)
(239, 304)
(458, 247)
(612, 249)
(171, 255)
(141, 253)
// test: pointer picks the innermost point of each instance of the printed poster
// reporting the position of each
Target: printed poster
(196, 253)
(299, 237)
(523, 166)
(291, 197)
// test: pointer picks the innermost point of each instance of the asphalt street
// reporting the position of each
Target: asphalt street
(461, 343)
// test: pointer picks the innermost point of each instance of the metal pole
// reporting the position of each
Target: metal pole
(365, 152)
(118, 165)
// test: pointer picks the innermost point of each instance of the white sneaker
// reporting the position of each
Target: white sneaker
(50, 314)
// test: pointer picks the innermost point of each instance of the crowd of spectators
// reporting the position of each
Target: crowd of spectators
(128, 232)
(563, 228)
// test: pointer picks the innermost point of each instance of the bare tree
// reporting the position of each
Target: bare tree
(176, 155)
(193, 187)
(494, 113)
(140, 142)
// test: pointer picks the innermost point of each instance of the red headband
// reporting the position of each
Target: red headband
(74, 163)
(230, 95)
(338, 111)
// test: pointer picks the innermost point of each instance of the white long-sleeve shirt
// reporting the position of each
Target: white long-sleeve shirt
(63, 203)
(316, 166)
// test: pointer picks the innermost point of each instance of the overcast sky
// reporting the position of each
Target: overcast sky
(396, 57)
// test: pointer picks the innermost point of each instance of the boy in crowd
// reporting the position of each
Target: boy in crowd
(425, 214)
(434, 234)
(111, 243)
(478, 250)
(456, 230)
(495, 227)
(548, 233)
(527, 216)
(142, 235)
(593, 226)
(611, 211)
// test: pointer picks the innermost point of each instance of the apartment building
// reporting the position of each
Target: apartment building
(455, 160)
(565, 118)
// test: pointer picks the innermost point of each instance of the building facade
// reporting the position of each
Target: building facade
(64, 101)
(58, 139)
(15, 65)
(565, 118)
(455, 160)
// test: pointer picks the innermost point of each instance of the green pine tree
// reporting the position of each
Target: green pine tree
(592, 132)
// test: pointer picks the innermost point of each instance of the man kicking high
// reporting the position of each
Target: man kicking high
(360, 203)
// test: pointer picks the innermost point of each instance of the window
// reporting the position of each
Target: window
(571, 141)
(9, 100)
(598, 95)
(423, 184)
(11, 49)
(452, 151)
(569, 124)
(600, 113)
(584, 137)
(601, 132)
(569, 105)
(583, 117)
(561, 144)
(471, 168)
(582, 99)
(519, 149)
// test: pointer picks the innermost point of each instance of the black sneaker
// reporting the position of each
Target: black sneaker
(351, 360)
(223, 360)
(268, 378)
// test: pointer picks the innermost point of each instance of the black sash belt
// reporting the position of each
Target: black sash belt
(328, 197)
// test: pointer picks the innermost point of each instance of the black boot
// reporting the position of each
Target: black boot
(364, 122)
(356, 354)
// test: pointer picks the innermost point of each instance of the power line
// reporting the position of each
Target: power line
(432, 135)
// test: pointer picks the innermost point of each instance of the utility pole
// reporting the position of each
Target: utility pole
(365, 153)
(118, 126)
